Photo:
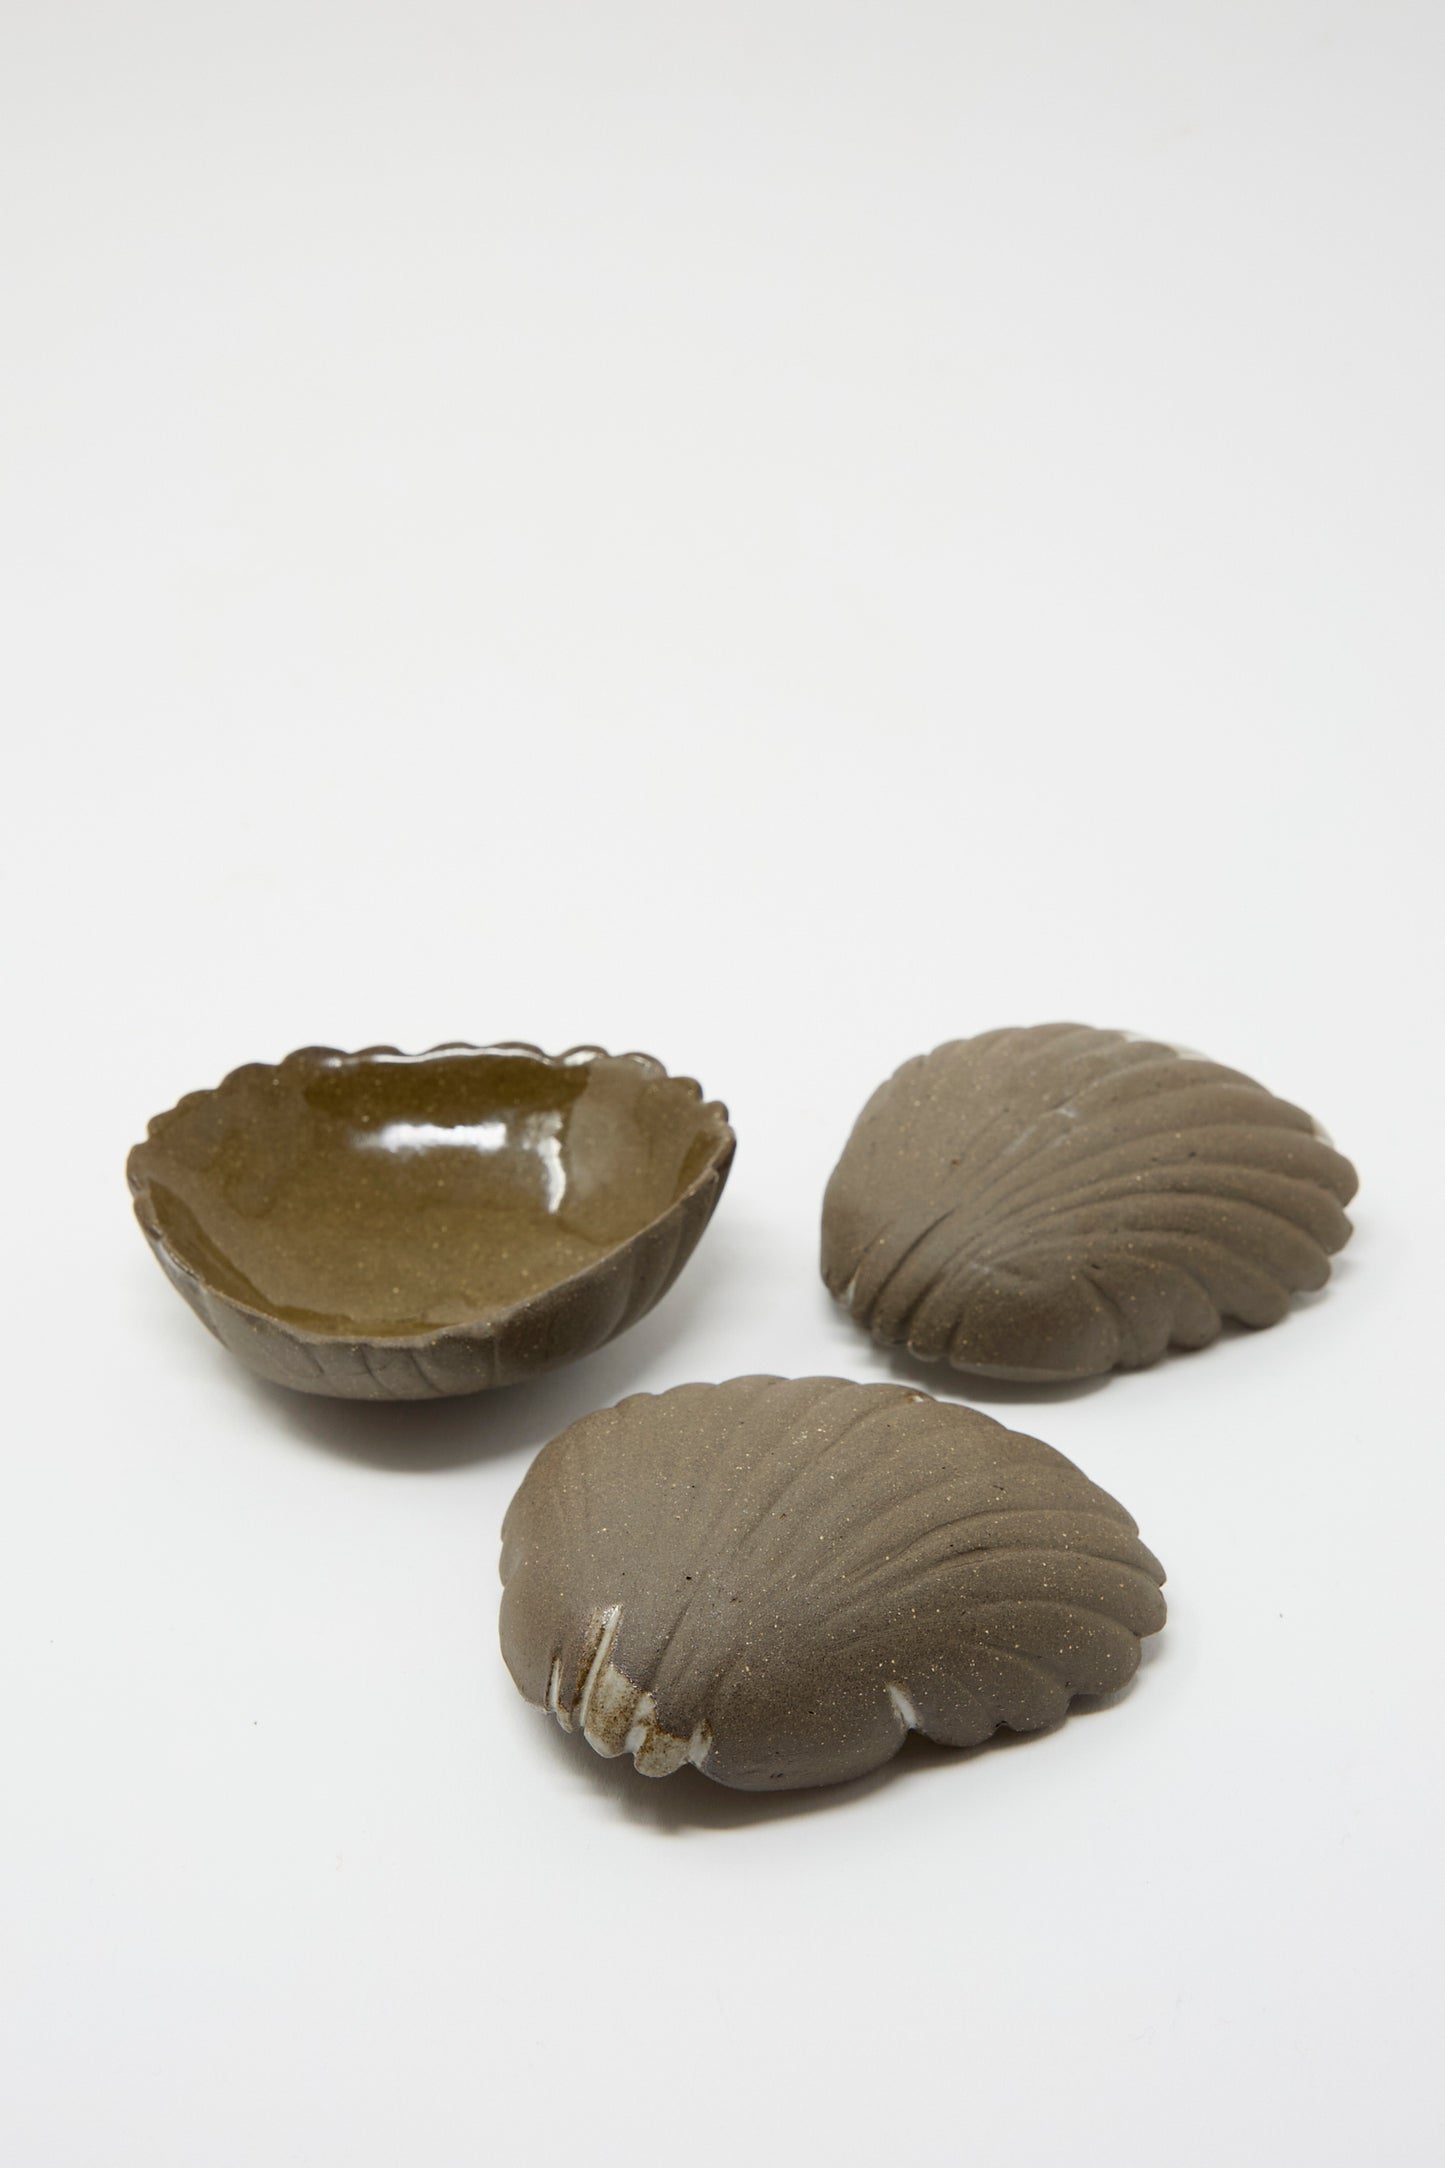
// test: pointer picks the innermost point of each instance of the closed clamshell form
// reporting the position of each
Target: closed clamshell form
(777, 1579)
(1057, 1202)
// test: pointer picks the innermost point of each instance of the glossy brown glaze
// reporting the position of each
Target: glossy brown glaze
(777, 1579)
(1056, 1202)
(394, 1226)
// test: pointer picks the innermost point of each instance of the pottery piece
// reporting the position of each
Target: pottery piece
(388, 1226)
(1057, 1202)
(778, 1579)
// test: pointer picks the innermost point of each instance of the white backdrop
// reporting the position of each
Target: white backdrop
(777, 534)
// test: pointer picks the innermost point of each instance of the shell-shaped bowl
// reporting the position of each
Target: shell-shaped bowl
(389, 1226)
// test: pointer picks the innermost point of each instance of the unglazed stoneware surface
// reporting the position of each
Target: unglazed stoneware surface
(387, 1226)
(778, 1579)
(1057, 1202)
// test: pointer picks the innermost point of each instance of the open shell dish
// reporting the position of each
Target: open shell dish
(389, 1226)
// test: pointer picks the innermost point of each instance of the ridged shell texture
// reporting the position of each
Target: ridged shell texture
(777, 1579)
(1057, 1202)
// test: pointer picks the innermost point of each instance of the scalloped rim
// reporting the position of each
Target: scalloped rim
(489, 1321)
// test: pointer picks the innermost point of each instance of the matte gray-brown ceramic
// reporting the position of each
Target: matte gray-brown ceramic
(387, 1226)
(1058, 1202)
(778, 1579)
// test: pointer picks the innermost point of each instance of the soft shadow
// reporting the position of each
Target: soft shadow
(425, 1437)
(687, 1802)
(1341, 1268)
(943, 1378)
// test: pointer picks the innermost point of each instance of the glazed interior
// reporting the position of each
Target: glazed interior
(386, 1194)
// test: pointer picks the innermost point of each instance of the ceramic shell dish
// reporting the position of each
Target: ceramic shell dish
(387, 1226)
(1057, 1202)
(777, 1579)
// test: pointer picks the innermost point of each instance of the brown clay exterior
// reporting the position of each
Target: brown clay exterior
(777, 1579)
(1057, 1202)
(388, 1226)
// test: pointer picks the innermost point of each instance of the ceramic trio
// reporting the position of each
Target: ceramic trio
(771, 1580)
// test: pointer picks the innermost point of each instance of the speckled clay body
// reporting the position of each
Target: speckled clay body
(386, 1226)
(1058, 1202)
(777, 1579)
